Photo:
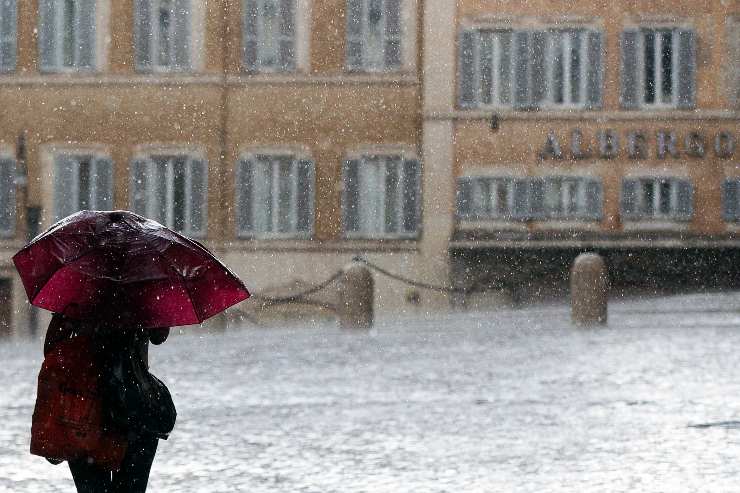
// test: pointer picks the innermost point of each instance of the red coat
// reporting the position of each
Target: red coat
(68, 420)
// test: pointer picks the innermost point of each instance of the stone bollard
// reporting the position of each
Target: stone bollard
(356, 297)
(589, 290)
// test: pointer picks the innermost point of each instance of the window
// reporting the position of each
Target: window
(530, 69)
(374, 35)
(8, 29)
(163, 35)
(657, 198)
(658, 68)
(67, 34)
(172, 189)
(554, 197)
(82, 181)
(269, 35)
(381, 196)
(7, 196)
(731, 199)
(733, 68)
(274, 196)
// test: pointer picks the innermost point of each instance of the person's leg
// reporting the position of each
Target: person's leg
(90, 478)
(137, 463)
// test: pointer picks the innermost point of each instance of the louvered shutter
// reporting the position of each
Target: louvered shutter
(729, 199)
(86, 26)
(47, 30)
(8, 36)
(537, 199)
(102, 181)
(244, 196)
(304, 196)
(140, 186)
(628, 203)
(521, 199)
(468, 74)
(250, 41)
(182, 37)
(7, 196)
(464, 198)
(538, 69)
(686, 68)
(198, 195)
(354, 35)
(504, 81)
(393, 34)
(143, 29)
(350, 199)
(65, 188)
(287, 35)
(630, 84)
(411, 195)
(522, 56)
(685, 204)
(594, 69)
(594, 199)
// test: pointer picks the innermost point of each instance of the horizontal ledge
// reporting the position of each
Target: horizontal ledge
(597, 244)
(596, 116)
(316, 246)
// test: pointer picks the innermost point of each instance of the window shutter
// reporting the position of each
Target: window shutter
(685, 199)
(521, 69)
(521, 199)
(249, 35)
(65, 188)
(504, 88)
(729, 199)
(198, 195)
(7, 196)
(411, 195)
(86, 34)
(465, 198)
(287, 35)
(537, 199)
(304, 196)
(350, 199)
(141, 174)
(595, 69)
(468, 74)
(629, 94)
(393, 34)
(182, 38)
(8, 36)
(686, 68)
(143, 34)
(629, 198)
(354, 34)
(47, 29)
(244, 182)
(538, 70)
(103, 184)
(594, 199)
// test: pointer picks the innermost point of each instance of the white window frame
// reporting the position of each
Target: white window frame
(485, 206)
(169, 157)
(58, 40)
(274, 160)
(657, 214)
(8, 40)
(497, 99)
(567, 37)
(568, 186)
(377, 230)
(362, 39)
(659, 102)
(194, 25)
(299, 8)
(77, 156)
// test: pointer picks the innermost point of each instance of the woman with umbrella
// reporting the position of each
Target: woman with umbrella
(115, 282)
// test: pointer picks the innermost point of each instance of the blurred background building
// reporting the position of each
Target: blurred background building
(469, 143)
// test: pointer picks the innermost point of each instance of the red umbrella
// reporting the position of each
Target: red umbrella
(121, 267)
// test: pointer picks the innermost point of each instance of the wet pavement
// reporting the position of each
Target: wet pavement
(516, 400)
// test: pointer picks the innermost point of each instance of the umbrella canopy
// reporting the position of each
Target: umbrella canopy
(121, 267)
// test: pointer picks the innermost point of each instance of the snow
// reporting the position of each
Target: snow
(514, 400)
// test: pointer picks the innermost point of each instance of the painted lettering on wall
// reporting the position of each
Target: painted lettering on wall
(663, 144)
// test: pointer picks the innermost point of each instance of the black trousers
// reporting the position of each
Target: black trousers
(131, 478)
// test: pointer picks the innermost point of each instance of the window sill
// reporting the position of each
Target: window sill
(491, 224)
(567, 224)
(322, 246)
(601, 114)
(655, 225)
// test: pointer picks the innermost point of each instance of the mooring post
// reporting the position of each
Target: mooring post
(356, 297)
(589, 290)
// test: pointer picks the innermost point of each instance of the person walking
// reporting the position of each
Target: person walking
(120, 358)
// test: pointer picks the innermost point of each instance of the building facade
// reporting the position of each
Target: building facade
(452, 142)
